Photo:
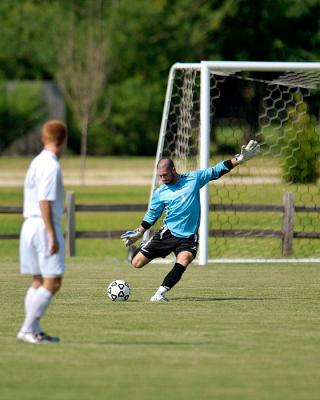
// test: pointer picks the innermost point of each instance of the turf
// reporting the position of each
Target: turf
(229, 332)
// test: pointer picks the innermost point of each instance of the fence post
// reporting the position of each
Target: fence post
(287, 224)
(70, 226)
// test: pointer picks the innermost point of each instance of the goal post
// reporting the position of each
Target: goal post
(204, 160)
(212, 108)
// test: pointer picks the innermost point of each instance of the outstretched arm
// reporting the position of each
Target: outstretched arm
(223, 167)
(247, 152)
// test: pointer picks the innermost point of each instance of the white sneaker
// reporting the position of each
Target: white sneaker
(159, 298)
(32, 338)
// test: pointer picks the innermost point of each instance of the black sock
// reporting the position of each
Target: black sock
(173, 276)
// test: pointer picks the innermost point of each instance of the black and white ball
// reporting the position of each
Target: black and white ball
(118, 290)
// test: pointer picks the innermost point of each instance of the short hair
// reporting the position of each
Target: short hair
(55, 132)
(166, 161)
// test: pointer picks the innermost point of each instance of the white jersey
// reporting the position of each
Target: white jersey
(44, 182)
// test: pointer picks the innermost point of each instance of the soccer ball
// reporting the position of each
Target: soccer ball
(118, 290)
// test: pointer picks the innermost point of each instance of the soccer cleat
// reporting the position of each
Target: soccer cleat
(48, 338)
(159, 298)
(32, 338)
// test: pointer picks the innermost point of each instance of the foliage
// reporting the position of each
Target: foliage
(301, 146)
(145, 38)
(227, 140)
(28, 28)
(21, 109)
(82, 68)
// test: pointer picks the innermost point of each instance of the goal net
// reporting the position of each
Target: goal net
(268, 208)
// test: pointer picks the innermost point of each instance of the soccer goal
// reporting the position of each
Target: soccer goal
(267, 209)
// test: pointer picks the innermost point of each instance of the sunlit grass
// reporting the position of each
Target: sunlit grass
(229, 332)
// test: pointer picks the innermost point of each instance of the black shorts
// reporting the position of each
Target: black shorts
(163, 243)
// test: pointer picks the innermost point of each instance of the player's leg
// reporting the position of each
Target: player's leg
(157, 246)
(185, 251)
(44, 295)
(173, 277)
(139, 260)
(37, 308)
(52, 284)
(184, 258)
(37, 281)
(52, 268)
(29, 265)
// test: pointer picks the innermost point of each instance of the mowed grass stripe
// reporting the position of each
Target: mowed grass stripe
(229, 332)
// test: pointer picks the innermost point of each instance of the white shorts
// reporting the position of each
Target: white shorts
(34, 258)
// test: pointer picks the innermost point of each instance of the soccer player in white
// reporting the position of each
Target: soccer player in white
(179, 198)
(41, 237)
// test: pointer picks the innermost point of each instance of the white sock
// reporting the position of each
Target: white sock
(37, 307)
(162, 290)
(27, 301)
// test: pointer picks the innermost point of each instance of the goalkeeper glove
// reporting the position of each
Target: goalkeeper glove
(131, 236)
(248, 151)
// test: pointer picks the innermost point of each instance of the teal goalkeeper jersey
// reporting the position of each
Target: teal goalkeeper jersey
(181, 200)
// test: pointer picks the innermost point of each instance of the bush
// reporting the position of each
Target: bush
(301, 148)
(21, 109)
(227, 140)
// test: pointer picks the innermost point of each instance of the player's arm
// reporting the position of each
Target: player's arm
(247, 152)
(151, 216)
(46, 213)
(47, 193)
(223, 167)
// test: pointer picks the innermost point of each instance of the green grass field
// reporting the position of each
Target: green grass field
(229, 332)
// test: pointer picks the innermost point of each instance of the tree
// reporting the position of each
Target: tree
(147, 38)
(21, 110)
(27, 31)
(82, 69)
(144, 39)
(300, 143)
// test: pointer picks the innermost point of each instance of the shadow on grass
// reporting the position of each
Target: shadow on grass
(144, 343)
(224, 298)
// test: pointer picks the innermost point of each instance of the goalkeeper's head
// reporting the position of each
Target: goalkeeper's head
(167, 171)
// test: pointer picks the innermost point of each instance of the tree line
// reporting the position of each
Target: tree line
(112, 57)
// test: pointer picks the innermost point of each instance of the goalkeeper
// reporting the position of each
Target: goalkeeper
(179, 197)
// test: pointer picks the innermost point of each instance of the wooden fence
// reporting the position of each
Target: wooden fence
(286, 234)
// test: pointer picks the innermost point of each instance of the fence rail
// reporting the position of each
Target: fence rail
(286, 234)
(10, 210)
